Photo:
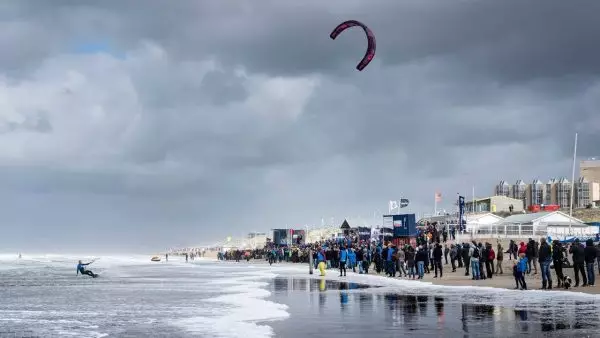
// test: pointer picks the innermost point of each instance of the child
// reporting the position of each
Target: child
(519, 271)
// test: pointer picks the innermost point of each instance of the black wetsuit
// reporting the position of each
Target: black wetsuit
(81, 270)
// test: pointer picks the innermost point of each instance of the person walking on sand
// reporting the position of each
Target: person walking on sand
(499, 259)
(557, 259)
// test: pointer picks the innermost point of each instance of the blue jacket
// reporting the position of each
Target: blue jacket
(522, 265)
(320, 256)
(343, 255)
(390, 253)
(352, 257)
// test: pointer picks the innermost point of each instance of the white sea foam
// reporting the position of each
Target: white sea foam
(247, 309)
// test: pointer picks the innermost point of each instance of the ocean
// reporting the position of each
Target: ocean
(42, 297)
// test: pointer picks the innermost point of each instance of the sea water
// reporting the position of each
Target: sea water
(133, 297)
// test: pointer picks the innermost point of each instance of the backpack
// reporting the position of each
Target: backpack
(492, 255)
(476, 253)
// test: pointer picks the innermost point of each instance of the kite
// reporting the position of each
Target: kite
(370, 54)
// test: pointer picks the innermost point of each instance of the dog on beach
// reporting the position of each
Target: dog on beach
(566, 282)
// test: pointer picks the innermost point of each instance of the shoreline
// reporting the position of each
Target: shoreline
(450, 279)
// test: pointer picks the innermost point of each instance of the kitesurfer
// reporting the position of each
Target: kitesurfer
(81, 269)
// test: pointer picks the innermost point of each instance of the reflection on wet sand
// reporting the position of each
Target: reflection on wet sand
(351, 305)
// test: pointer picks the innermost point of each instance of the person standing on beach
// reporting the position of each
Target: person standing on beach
(474, 254)
(483, 253)
(437, 260)
(489, 263)
(597, 256)
(510, 250)
(420, 257)
(390, 264)
(557, 259)
(428, 258)
(545, 258)
(466, 256)
(352, 259)
(410, 261)
(459, 249)
(401, 254)
(590, 258)
(343, 261)
(520, 269)
(499, 259)
(578, 262)
(453, 253)
(446, 252)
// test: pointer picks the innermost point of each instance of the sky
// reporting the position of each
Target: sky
(137, 127)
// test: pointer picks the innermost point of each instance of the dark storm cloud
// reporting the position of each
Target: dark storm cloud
(460, 93)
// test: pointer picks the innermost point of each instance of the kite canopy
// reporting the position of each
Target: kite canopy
(370, 53)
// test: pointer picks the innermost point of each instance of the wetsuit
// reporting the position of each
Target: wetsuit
(81, 269)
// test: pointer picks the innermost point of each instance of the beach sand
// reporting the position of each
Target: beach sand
(504, 281)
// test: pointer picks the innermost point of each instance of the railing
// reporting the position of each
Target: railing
(512, 231)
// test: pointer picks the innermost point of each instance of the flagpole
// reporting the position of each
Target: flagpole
(572, 184)
(473, 199)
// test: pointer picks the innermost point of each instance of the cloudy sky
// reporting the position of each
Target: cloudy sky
(138, 127)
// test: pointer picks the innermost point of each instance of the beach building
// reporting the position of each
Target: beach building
(541, 224)
(494, 204)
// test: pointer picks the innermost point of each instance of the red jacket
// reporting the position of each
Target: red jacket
(523, 248)
(492, 255)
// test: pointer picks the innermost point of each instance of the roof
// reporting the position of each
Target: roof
(526, 218)
(345, 225)
(473, 217)
(531, 217)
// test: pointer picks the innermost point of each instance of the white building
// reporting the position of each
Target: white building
(555, 224)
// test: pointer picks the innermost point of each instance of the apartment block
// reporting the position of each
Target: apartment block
(554, 192)
(590, 169)
(503, 189)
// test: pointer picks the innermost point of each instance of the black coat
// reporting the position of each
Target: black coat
(438, 253)
(578, 254)
(590, 252)
(545, 252)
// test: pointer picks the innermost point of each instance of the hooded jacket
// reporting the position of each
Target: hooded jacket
(578, 254)
(590, 251)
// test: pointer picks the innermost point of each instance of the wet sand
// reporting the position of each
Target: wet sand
(504, 281)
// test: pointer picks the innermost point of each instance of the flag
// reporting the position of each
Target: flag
(404, 202)
(438, 196)
(393, 205)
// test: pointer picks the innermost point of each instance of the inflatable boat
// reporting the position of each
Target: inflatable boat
(155, 259)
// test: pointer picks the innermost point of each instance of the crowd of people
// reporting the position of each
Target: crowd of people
(433, 252)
